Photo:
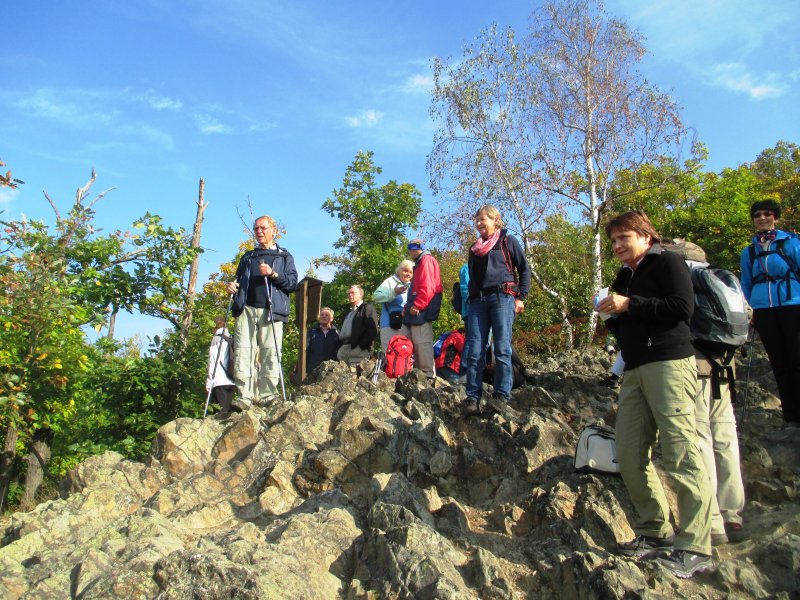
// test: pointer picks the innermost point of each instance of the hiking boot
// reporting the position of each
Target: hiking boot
(493, 405)
(240, 405)
(684, 564)
(719, 539)
(735, 532)
(470, 407)
(645, 545)
(611, 381)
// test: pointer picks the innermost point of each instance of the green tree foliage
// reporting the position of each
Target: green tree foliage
(778, 169)
(58, 280)
(450, 263)
(374, 222)
(719, 218)
(559, 253)
(712, 209)
(662, 189)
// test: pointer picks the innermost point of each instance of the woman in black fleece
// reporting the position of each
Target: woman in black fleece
(650, 307)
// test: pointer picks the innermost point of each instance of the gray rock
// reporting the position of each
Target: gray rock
(382, 489)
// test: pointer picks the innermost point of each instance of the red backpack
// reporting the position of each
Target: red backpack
(399, 356)
(450, 356)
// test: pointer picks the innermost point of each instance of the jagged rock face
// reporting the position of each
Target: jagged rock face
(383, 490)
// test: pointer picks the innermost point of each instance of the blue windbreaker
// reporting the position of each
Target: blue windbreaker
(776, 290)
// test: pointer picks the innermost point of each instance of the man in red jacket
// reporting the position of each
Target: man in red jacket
(423, 304)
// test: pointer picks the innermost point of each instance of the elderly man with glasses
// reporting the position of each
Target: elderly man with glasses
(265, 277)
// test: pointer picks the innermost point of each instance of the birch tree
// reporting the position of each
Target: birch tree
(542, 125)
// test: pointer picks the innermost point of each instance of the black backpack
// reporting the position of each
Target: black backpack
(455, 300)
(229, 366)
(517, 368)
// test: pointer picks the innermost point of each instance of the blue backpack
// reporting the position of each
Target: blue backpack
(437, 345)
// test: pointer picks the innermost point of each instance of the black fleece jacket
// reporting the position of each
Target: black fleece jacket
(365, 327)
(656, 325)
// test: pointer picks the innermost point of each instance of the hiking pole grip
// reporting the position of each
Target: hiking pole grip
(219, 351)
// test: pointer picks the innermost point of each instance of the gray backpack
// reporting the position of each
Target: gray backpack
(720, 321)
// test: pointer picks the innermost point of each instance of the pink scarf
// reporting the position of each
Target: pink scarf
(482, 246)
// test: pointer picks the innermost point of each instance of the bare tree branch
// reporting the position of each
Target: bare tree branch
(81, 193)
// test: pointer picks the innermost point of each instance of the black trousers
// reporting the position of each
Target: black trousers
(223, 395)
(779, 328)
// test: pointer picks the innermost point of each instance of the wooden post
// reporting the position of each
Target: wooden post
(190, 288)
(308, 302)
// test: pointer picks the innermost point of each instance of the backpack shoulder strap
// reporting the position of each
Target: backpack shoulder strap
(506, 253)
(779, 244)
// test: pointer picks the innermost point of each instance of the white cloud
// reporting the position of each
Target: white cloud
(366, 118)
(419, 83)
(68, 108)
(736, 77)
(261, 127)
(158, 102)
(746, 46)
(7, 195)
(151, 135)
(688, 28)
(208, 125)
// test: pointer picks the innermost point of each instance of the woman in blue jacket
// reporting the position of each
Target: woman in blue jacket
(771, 284)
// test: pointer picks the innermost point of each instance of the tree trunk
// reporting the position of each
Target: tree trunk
(112, 321)
(190, 290)
(37, 459)
(7, 462)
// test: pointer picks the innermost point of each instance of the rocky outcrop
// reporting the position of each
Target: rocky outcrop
(365, 490)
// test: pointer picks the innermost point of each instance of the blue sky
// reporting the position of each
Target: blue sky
(270, 101)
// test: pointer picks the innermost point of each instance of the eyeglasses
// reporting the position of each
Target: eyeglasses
(762, 213)
(262, 228)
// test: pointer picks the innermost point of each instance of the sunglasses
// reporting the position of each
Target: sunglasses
(762, 213)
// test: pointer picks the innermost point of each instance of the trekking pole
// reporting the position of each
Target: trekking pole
(747, 381)
(219, 351)
(378, 364)
(275, 337)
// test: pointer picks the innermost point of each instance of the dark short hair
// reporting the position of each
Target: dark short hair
(766, 204)
(635, 220)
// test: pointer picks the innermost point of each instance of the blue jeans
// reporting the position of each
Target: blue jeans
(494, 312)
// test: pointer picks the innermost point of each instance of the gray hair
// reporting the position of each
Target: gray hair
(266, 218)
(404, 264)
(491, 211)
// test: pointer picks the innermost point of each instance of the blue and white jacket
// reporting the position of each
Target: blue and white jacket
(771, 280)
(386, 297)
